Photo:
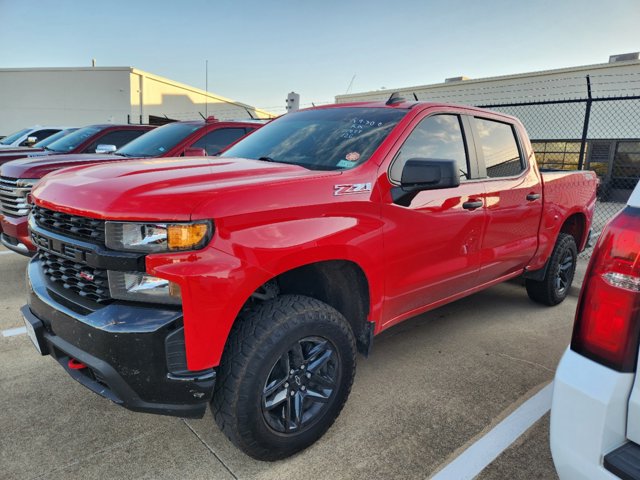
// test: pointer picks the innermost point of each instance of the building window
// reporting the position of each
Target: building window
(626, 163)
(554, 155)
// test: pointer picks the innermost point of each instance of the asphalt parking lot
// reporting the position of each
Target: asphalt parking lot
(432, 387)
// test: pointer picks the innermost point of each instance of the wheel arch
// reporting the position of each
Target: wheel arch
(576, 226)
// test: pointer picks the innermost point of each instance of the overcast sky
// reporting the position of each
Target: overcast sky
(260, 50)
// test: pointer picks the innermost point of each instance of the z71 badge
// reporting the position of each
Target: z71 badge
(350, 189)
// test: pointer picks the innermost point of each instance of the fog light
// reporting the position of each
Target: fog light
(140, 287)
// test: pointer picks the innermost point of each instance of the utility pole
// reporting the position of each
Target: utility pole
(206, 88)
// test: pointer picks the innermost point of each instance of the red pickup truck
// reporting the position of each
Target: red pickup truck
(251, 280)
(82, 140)
(192, 138)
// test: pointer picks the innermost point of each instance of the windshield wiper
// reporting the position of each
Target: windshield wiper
(268, 159)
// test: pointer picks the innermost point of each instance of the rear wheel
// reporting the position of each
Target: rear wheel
(285, 375)
(556, 284)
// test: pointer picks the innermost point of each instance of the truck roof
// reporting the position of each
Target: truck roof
(408, 105)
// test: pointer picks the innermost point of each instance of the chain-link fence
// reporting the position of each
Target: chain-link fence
(591, 133)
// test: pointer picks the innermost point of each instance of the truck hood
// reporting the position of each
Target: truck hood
(26, 150)
(160, 189)
(37, 166)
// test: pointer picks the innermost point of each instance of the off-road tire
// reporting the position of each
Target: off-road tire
(547, 291)
(258, 339)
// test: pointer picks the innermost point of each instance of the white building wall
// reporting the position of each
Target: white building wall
(73, 97)
(560, 121)
(163, 97)
(82, 96)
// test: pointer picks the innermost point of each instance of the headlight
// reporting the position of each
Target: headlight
(140, 287)
(157, 237)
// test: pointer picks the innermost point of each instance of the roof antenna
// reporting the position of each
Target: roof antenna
(203, 117)
(415, 96)
(395, 98)
(313, 104)
(249, 113)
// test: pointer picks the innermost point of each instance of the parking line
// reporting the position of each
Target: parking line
(479, 455)
(6, 252)
(12, 332)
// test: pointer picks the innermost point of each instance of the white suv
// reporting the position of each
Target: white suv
(595, 413)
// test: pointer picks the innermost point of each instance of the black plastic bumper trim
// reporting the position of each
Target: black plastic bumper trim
(15, 246)
(624, 461)
(123, 346)
(115, 388)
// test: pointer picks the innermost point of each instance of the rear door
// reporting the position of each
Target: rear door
(513, 198)
(432, 240)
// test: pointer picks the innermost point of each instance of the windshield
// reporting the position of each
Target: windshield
(325, 139)
(71, 141)
(14, 136)
(159, 141)
(54, 137)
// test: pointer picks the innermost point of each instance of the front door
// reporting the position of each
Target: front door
(432, 240)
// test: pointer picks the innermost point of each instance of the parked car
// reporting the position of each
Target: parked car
(28, 136)
(252, 279)
(83, 140)
(39, 146)
(191, 138)
(595, 414)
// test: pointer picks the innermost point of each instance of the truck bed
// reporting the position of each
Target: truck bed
(566, 194)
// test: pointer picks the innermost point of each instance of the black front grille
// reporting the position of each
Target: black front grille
(79, 227)
(87, 282)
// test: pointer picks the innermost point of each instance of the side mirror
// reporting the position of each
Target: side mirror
(31, 141)
(105, 148)
(429, 174)
(195, 152)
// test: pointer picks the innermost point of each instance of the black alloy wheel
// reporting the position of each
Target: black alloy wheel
(285, 375)
(560, 270)
(300, 385)
(565, 273)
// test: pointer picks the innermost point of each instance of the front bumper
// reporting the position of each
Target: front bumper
(134, 354)
(15, 235)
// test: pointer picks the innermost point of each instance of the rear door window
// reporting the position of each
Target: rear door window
(499, 148)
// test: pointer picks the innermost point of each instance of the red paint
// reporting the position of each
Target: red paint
(16, 227)
(270, 218)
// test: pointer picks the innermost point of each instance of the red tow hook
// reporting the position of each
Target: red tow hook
(74, 364)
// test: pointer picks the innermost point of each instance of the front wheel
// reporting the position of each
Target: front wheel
(555, 285)
(285, 375)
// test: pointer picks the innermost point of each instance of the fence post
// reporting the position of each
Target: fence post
(585, 127)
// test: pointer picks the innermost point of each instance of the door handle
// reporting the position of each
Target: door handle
(533, 196)
(472, 204)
